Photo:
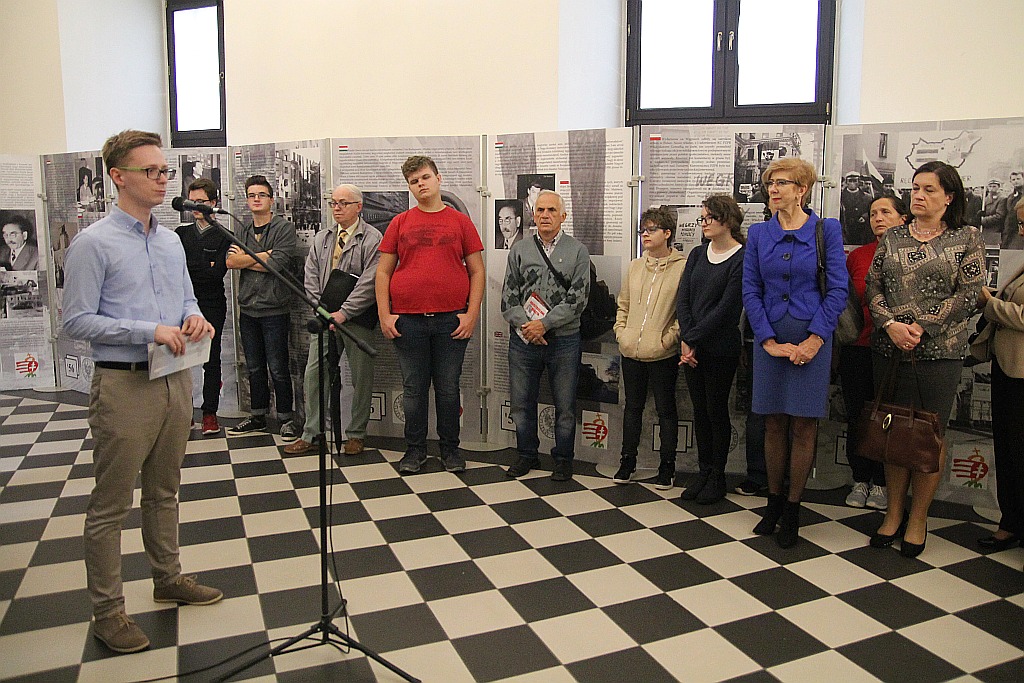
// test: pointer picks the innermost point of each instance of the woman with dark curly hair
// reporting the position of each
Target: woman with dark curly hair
(922, 288)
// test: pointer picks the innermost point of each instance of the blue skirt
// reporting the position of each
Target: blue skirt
(783, 387)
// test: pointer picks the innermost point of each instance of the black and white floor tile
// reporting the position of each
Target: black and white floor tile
(478, 577)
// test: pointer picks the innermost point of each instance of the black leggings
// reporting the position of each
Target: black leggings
(710, 384)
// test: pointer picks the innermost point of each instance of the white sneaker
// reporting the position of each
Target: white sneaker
(859, 495)
(878, 498)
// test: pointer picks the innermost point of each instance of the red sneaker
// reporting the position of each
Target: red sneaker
(210, 425)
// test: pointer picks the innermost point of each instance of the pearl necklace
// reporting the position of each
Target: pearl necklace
(923, 235)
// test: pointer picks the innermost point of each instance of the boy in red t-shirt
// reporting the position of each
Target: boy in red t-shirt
(430, 283)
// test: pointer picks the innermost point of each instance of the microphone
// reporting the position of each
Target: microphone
(182, 204)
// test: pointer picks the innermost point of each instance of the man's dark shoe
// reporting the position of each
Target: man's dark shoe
(562, 471)
(453, 461)
(253, 423)
(412, 461)
(522, 466)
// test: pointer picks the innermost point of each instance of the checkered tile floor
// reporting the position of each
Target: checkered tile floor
(479, 577)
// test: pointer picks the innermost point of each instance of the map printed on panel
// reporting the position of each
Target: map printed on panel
(953, 151)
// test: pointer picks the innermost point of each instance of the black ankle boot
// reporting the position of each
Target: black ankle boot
(714, 490)
(789, 526)
(771, 514)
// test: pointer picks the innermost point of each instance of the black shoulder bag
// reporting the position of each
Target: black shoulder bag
(851, 320)
(596, 318)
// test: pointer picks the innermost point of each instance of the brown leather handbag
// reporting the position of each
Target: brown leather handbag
(900, 435)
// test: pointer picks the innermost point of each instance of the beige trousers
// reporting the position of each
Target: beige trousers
(138, 425)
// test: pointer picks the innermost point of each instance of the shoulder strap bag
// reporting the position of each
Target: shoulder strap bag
(900, 435)
(851, 320)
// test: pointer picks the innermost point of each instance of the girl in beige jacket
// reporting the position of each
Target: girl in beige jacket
(648, 336)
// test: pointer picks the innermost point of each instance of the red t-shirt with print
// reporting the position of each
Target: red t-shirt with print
(431, 275)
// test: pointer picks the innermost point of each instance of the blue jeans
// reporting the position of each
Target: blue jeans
(428, 354)
(526, 362)
(265, 342)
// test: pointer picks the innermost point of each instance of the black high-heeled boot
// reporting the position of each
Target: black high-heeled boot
(789, 526)
(771, 514)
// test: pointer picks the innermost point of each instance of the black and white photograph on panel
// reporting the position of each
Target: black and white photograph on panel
(528, 187)
(508, 222)
(193, 166)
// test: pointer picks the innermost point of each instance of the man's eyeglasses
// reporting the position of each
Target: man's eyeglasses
(704, 220)
(780, 183)
(507, 220)
(339, 204)
(152, 172)
(258, 195)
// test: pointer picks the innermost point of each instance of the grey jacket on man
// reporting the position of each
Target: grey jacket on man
(262, 294)
(359, 257)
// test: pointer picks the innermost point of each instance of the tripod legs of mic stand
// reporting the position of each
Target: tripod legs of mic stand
(329, 633)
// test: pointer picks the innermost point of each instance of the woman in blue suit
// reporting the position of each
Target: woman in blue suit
(793, 324)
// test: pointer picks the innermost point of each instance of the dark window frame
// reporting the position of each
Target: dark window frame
(213, 137)
(725, 70)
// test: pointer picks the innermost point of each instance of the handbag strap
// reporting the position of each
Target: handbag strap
(558, 276)
(819, 242)
(886, 388)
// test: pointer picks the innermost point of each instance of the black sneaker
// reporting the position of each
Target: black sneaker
(627, 467)
(751, 488)
(522, 466)
(453, 461)
(290, 431)
(666, 478)
(562, 471)
(253, 423)
(412, 461)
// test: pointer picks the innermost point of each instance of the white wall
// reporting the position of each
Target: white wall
(591, 64)
(75, 71)
(846, 84)
(114, 65)
(316, 68)
(31, 96)
(941, 59)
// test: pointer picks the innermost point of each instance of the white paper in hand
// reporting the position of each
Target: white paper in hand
(162, 362)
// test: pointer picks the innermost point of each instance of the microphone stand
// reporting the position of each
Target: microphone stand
(329, 634)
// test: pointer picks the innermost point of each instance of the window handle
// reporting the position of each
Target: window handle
(719, 42)
(732, 39)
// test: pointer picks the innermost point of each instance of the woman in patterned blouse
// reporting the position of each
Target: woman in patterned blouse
(922, 289)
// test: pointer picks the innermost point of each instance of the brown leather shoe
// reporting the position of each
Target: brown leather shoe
(353, 447)
(300, 447)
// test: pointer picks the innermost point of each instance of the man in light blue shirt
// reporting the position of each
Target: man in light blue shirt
(126, 285)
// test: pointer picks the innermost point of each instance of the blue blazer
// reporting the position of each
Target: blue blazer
(780, 276)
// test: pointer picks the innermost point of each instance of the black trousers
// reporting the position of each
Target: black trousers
(660, 376)
(215, 312)
(710, 384)
(855, 374)
(1007, 438)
